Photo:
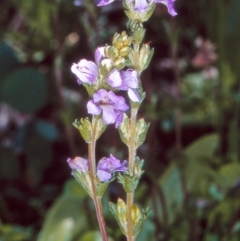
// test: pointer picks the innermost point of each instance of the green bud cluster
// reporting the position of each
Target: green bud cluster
(120, 49)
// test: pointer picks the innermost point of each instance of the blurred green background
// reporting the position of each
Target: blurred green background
(192, 151)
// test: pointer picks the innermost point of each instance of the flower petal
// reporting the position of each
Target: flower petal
(133, 95)
(105, 2)
(93, 108)
(141, 5)
(99, 54)
(119, 119)
(169, 4)
(114, 79)
(78, 164)
(100, 95)
(109, 116)
(130, 79)
(119, 102)
(103, 175)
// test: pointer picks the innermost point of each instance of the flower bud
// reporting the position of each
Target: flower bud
(116, 37)
(119, 211)
(127, 42)
(118, 44)
(124, 36)
(125, 51)
(136, 214)
(120, 63)
(113, 53)
(105, 66)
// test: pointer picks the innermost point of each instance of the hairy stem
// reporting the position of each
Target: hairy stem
(132, 158)
(92, 168)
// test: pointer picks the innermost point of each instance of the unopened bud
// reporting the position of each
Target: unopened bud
(105, 66)
(136, 214)
(125, 51)
(120, 63)
(116, 37)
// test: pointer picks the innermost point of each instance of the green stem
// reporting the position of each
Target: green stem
(132, 157)
(92, 168)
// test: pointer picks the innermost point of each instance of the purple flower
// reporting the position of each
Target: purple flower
(78, 164)
(87, 71)
(107, 166)
(110, 105)
(99, 54)
(125, 80)
(142, 5)
(169, 4)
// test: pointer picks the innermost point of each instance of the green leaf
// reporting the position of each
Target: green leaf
(170, 183)
(14, 233)
(66, 217)
(230, 173)
(196, 169)
(223, 212)
(202, 147)
(24, 89)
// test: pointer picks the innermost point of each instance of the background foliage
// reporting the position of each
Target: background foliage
(192, 154)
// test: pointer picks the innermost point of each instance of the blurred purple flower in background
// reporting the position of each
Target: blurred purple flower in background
(108, 165)
(142, 5)
(78, 164)
(110, 105)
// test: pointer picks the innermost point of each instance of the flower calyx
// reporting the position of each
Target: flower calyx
(138, 11)
(119, 211)
(85, 128)
(140, 131)
(131, 178)
(80, 170)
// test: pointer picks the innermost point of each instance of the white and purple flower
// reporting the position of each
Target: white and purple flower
(108, 165)
(142, 5)
(87, 71)
(110, 105)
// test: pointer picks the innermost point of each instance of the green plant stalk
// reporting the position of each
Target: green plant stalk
(132, 157)
(92, 168)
